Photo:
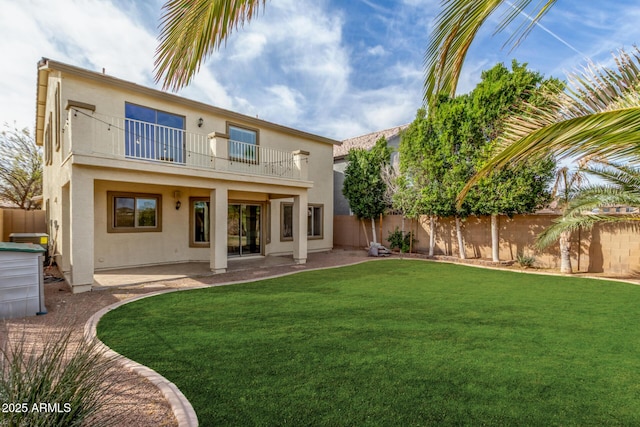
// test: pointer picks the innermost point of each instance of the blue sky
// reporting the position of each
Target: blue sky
(335, 68)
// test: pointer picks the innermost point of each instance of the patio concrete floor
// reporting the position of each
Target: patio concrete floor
(156, 273)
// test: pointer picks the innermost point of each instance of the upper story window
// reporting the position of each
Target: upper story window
(243, 144)
(153, 134)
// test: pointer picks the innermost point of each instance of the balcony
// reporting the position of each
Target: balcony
(138, 140)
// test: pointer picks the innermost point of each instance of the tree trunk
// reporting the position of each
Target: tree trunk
(460, 240)
(565, 252)
(373, 230)
(432, 234)
(366, 236)
(495, 238)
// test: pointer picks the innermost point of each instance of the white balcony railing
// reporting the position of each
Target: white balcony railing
(258, 160)
(133, 139)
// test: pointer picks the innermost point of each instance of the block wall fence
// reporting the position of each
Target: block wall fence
(21, 221)
(610, 248)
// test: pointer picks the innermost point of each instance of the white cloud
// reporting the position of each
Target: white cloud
(377, 50)
(248, 46)
(91, 34)
(284, 101)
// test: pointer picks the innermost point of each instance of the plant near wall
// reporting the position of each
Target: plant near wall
(400, 240)
(522, 188)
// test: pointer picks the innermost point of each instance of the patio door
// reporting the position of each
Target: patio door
(244, 230)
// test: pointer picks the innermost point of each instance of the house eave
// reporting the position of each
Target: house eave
(48, 64)
(41, 99)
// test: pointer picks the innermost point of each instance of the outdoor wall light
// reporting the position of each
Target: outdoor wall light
(176, 195)
(200, 122)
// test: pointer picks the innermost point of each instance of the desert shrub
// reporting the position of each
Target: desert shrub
(57, 381)
(399, 240)
(525, 261)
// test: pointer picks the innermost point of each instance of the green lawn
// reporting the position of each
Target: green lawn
(395, 342)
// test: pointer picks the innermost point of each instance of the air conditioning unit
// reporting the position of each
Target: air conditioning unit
(41, 239)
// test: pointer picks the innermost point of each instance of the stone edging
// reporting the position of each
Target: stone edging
(180, 405)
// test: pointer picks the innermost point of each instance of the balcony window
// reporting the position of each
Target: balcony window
(243, 145)
(153, 134)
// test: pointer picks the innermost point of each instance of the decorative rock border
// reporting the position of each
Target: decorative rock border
(180, 405)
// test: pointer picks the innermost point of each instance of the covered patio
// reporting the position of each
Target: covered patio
(174, 271)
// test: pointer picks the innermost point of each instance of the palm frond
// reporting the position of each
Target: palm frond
(598, 116)
(455, 29)
(190, 30)
(550, 235)
(621, 176)
(579, 212)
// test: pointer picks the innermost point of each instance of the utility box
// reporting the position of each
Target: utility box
(41, 239)
(21, 280)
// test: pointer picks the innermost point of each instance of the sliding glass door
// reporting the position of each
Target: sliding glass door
(243, 230)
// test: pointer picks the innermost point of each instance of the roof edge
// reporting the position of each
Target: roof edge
(46, 64)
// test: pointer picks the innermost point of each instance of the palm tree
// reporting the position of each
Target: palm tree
(193, 29)
(583, 207)
(567, 184)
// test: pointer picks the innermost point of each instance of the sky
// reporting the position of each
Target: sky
(336, 68)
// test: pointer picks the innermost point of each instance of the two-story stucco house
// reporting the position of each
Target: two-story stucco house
(134, 176)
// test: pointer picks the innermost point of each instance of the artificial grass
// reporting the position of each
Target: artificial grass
(395, 342)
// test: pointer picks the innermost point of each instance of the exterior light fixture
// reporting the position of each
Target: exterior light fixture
(176, 195)
(200, 122)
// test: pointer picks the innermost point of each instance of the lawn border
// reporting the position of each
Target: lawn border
(180, 405)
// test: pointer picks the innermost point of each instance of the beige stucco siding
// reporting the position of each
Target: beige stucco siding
(90, 162)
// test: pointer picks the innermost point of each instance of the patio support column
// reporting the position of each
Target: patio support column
(300, 229)
(218, 213)
(81, 232)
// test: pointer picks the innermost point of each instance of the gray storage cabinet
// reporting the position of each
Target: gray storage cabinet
(21, 280)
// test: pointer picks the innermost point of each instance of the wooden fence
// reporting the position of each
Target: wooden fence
(21, 221)
(610, 249)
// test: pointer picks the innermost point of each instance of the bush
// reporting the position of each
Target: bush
(525, 261)
(57, 381)
(398, 240)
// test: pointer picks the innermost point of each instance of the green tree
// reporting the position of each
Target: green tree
(20, 168)
(436, 155)
(442, 151)
(514, 190)
(363, 185)
(597, 116)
